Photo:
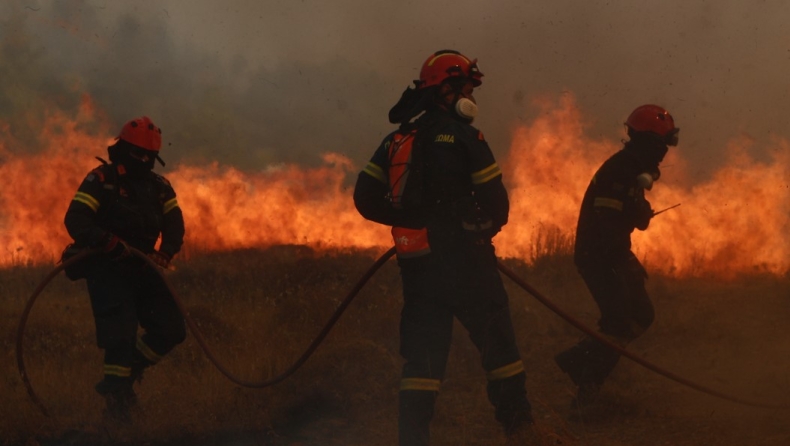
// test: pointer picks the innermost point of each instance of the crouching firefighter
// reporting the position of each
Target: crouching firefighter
(613, 206)
(435, 181)
(119, 205)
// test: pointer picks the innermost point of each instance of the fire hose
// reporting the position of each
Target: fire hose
(192, 325)
(335, 317)
(650, 366)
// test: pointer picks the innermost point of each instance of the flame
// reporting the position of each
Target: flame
(735, 222)
(227, 209)
(37, 188)
(224, 208)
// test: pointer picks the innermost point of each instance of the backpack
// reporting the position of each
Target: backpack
(406, 182)
(406, 168)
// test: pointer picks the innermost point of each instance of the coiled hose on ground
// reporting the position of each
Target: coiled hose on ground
(331, 322)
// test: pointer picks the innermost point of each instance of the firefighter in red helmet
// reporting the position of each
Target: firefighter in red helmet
(123, 204)
(613, 206)
(436, 183)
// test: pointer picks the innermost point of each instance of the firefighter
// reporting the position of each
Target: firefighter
(120, 205)
(613, 206)
(436, 182)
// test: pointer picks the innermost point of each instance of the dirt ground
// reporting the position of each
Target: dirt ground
(260, 309)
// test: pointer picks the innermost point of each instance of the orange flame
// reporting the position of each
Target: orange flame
(733, 223)
(37, 188)
(736, 222)
(225, 208)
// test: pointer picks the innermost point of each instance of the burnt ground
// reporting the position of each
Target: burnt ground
(259, 309)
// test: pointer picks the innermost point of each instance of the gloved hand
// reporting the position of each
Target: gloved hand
(480, 230)
(644, 212)
(114, 247)
(476, 224)
(161, 259)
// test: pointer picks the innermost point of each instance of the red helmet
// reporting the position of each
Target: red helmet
(654, 119)
(143, 133)
(445, 64)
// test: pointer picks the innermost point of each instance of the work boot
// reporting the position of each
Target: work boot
(511, 406)
(589, 361)
(119, 397)
(414, 417)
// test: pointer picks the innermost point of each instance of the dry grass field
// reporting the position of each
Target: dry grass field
(259, 309)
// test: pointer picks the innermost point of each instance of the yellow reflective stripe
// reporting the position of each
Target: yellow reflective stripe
(376, 172)
(431, 62)
(117, 370)
(601, 202)
(170, 205)
(87, 200)
(487, 174)
(428, 384)
(147, 352)
(506, 371)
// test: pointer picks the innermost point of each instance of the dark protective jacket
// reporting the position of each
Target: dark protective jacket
(137, 209)
(613, 206)
(455, 183)
(455, 201)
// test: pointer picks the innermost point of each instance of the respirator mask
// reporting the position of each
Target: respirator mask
(466, 108)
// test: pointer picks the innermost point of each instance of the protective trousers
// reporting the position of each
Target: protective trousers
(123, 295)
(626, 312)
(461, 282)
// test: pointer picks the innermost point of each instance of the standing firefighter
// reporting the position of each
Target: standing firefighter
(435, 181)
(120, 205)
(613, 206)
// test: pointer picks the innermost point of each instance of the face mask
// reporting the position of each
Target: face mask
(136, 161)
(645, 181)
(466, 108)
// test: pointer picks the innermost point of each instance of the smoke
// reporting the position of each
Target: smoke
(253, 83)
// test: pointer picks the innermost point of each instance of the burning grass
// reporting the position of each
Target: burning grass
(259, 309)
(731, 223)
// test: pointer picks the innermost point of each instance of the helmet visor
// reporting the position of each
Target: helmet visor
(471, 73)
(142, 155)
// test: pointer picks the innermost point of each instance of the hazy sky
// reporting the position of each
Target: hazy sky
(252, 82)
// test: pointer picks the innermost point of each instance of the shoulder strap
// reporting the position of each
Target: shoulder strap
(400, 164)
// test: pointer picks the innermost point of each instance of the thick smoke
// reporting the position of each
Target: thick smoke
(253, 83)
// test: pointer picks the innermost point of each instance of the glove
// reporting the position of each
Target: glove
(115, 248)
(644, 213)
(477, 225)
(161, 259)
(480, 230)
